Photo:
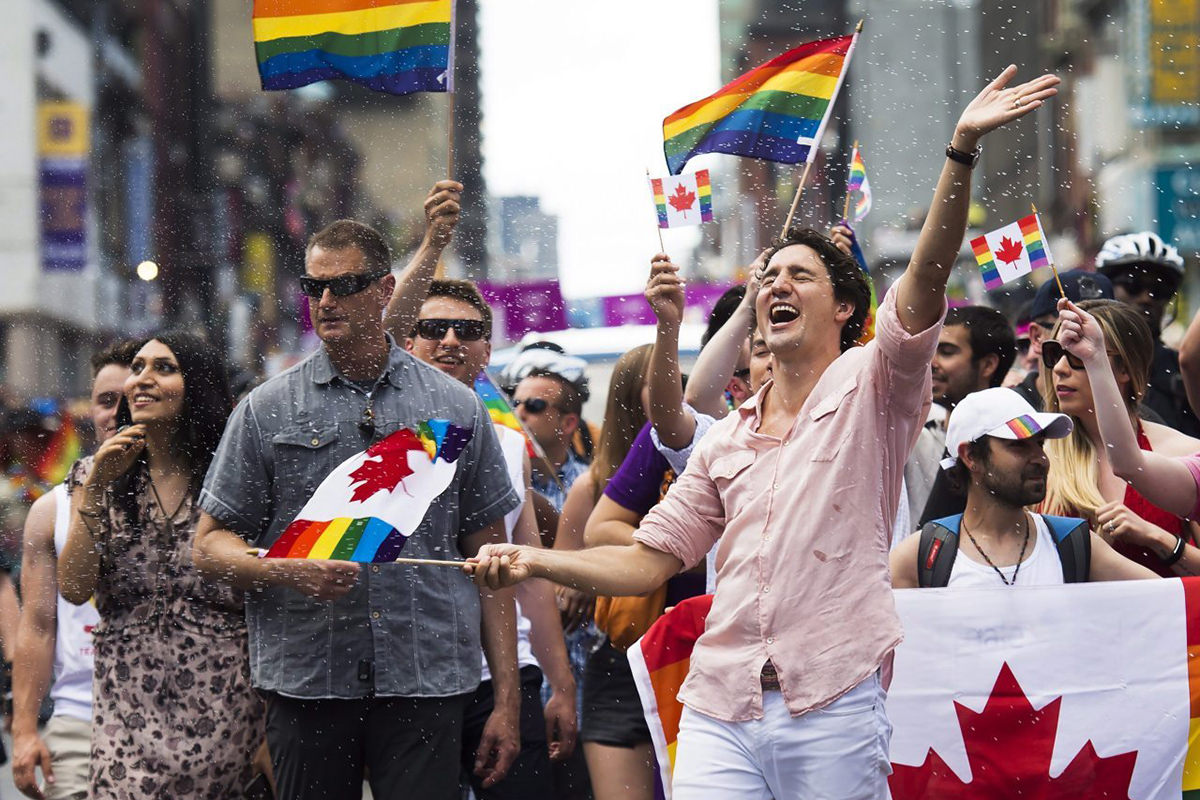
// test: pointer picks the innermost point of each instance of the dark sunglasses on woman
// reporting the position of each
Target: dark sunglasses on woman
(467, 330)
(1053, 351)
(342, 285)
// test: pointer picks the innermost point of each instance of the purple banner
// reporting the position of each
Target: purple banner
(526, 307)
(632, 309)
(64, 214)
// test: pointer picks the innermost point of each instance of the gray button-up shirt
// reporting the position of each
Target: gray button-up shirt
(402, 630)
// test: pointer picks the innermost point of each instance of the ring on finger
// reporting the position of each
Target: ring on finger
(1110, 527)
(1018, 101)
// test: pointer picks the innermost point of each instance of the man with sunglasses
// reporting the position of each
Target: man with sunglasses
(453, 333)
(1146, 272)
(375, 663)
(551, 409)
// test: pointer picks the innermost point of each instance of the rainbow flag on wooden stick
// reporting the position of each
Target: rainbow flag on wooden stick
(1008, 253)
(393, 46)
(775, 112)
(858, 182)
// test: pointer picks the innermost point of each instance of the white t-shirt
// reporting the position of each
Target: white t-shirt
(512, 444)
(1042, 567)
(73, 660)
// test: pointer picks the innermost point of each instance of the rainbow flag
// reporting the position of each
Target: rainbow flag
(858, 183)
(61, 453)
(1007, 253)
(393, 46)
(776, 111)
(660, 661)
(370, 504)
(689, 201)
(501, 412)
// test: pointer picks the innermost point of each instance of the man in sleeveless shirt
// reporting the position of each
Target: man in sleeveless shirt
(54, 638)
(996, 443)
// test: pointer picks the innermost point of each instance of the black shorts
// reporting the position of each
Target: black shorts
(612, 710)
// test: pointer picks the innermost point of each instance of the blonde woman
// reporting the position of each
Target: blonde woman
(1082, 479)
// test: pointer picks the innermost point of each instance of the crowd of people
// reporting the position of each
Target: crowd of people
(797, 475)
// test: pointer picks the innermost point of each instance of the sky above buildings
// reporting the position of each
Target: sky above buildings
(573, 101)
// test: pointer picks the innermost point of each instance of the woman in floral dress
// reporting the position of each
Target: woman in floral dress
(174, 714)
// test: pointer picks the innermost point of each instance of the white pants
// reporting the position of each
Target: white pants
(839, 752)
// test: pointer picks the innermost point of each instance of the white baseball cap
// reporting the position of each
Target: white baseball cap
(1001, 413)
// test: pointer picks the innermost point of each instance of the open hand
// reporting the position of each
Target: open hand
(1079, 333)
(664, 290)
(999, 104)
(442, 208)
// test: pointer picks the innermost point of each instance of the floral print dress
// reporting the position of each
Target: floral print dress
(174, 715)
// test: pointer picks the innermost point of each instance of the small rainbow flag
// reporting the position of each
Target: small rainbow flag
(501, 411)
(1008, 253)
(62, 451)
(393, 46)
(689, 203)
(366, 509)
(858, 183)
(776, 111)
(659, 662)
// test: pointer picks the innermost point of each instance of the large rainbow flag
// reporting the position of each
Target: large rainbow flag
(393, 46)
(366, 509)
(776, 111)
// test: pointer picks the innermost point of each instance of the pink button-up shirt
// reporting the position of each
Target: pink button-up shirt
(804, 524)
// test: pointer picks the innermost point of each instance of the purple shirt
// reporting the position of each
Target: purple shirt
(639, 483)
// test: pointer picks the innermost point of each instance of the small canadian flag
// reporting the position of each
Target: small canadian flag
(682, 199)
(1012, 251)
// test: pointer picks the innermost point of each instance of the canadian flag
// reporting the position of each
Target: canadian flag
(1079, 691)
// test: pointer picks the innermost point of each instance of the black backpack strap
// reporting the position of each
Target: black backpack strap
(1074, 540)
(936, 553)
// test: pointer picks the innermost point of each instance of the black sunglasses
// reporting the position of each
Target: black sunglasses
(534, 405)
(1052, 351)
(468, 330)
(342, 285)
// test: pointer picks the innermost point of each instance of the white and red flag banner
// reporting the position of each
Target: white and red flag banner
(1081, 691)
(1044, 693)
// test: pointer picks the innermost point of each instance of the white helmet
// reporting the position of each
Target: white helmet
(1139, 249)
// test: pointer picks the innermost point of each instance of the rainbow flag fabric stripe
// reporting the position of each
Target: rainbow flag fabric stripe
(61, 453)
(393, 46)
(659, 662)
(689, 192)
(1035, 248)
(987, 264)
(776, 111)
(858, 182)
(500, 410)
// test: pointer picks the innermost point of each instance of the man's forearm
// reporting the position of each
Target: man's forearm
(220, 556)
(33, 670)
(412, 287)
(498, 630)
(546, 634)
(612, 570)
(715, 364)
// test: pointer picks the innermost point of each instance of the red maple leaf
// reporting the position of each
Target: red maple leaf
(386, 473)
(682, 200)
(1009, 250)
(1009, 745)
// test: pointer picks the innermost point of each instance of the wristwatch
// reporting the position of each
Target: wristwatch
(969, 159)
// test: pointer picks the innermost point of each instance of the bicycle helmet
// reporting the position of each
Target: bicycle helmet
(1144, 249)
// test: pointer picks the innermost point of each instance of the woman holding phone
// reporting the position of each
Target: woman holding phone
(174, 713)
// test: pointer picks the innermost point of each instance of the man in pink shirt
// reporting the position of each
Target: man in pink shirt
(800, 486)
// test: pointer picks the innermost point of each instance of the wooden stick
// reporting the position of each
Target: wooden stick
(787, 223)
(450, 135)
(1053, 268)
(427, 562)
(846, 205)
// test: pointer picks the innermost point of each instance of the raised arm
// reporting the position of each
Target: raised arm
(1166, 482)
(664, 292)
(412, 285)
(715, 364)
(922, 293)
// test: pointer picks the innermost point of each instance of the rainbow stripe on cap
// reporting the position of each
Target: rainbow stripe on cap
(1024, 426)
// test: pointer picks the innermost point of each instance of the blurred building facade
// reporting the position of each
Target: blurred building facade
(525, 240)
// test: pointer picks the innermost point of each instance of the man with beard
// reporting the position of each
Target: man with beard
(996, 440)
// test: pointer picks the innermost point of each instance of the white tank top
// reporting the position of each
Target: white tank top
(1042, 567)
(73, 666)
(512, 444)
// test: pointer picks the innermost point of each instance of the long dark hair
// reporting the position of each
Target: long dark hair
(207, 403)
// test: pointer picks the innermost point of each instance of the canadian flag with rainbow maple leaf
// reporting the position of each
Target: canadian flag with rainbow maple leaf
(1042, 693)
(683, 199)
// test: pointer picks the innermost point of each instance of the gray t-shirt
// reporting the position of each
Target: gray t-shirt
(402, 631)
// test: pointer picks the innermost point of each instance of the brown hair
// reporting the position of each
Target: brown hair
(623, 416)
(346, 233)
(468, 292)
(120, 352)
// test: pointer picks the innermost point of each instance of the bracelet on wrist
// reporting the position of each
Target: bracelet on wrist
(969, 159)
(1176, 553)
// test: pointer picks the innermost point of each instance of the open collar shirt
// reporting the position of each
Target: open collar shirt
(804, 524)
(402, 630)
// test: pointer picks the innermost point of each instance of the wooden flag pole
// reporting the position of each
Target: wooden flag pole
(450, 135)
(1053, 268)
(787, 223)
(662, 248)
(846, 205)
(427, 562)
